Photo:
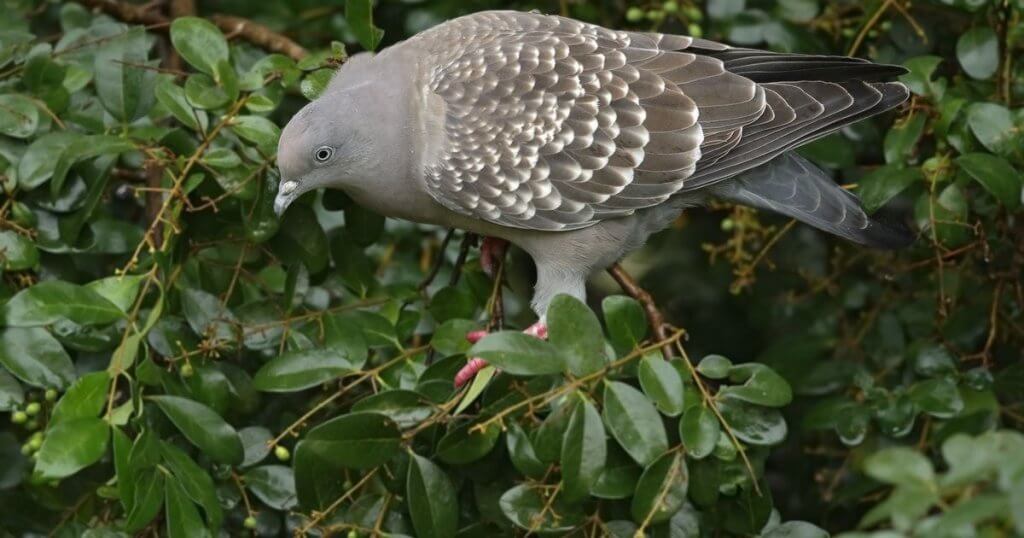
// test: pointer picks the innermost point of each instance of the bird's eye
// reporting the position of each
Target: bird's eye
(323, 154)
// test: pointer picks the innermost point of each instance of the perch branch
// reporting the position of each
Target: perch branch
(654, 317)
(243, 28)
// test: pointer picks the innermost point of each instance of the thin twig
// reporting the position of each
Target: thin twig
(243, 28)
(654, 316)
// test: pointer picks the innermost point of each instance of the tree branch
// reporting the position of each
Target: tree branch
(654, 317)
(259, 35)
(250, 31)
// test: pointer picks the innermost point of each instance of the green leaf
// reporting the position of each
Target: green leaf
(993, 125)
(199, 42)
(147, 499)
(661, 490)
(359, 15)
(17, 252)
(433, 505)
(11, 393)
(85, 398)
(356, 441)
(19, 117)
(450, 337)
(978, 52)
(405, 407)
(202, 92)
(529, 509)
(627, 323)
(996, 175)
(221, 158)
(314, 84)
(516, 353)
(183, 519)
(714, 367)
(195, 481)
(884, 183)
(207, 316)
(634, 422)
(619, 477)
(938, 397)
(121, 291)
(301, 239)
(467, 443)
(258, 130)
(302, 369)
(699, 431)
(919, 79)
(124, 77)
(35, 357)
(796, 529)
(901, 140)
(900, 465)
(173, 98)
(662, 384)
(70, 446)
(451, 302)
(583, 451)
(203, 427)
(761, 385)
(54, 300)
(576, 332)
(40, 159)
(521, 452)
(753, 424)
(274, 485)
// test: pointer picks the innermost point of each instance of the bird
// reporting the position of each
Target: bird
(576, 142)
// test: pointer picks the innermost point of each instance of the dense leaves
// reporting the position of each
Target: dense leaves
(177, 360)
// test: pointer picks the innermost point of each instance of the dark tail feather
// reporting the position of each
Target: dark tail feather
(763, 66)
(794, 187)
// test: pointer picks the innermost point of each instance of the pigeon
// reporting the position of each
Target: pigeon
(576, 142)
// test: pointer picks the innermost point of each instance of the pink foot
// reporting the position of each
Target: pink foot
(474, 365)
(491, 250)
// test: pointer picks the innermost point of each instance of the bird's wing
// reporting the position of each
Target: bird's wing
(554, 124)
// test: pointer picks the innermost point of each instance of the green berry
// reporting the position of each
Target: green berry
(634, 14)
(282, 453)
(23, 216)
(693, 13)
(671, 6)
(728, 224)
(250, 522)
(187, 370)
(32, 425)
(26, 449)
(35, 443)
(655, 15)
(33, 409)
(19, 417)
(50, 395)
(695, 30)
(353, 534)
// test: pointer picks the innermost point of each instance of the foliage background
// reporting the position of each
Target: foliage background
(160, 326)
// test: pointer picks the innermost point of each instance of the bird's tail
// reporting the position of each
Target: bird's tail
(794, 187)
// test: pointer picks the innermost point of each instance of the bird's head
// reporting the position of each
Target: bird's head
(341, 140)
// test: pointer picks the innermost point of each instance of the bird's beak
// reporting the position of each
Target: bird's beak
(286, 194)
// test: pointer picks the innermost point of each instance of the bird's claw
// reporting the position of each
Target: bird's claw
(491, 250)
(475, 364)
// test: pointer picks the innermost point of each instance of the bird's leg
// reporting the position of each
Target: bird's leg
(491, 251)
(474, 365)
(654, 317)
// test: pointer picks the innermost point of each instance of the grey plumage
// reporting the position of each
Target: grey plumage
(575, 141)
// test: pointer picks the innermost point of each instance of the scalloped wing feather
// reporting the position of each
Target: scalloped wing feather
(554, 124)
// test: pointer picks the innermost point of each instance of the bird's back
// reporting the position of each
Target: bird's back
(554, 124)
